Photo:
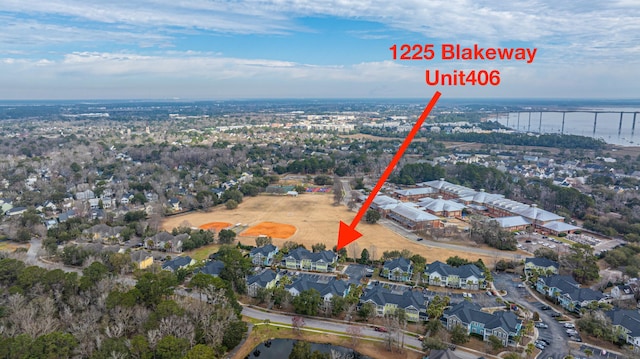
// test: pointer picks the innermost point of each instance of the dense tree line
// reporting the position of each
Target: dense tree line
(417, 172)
(310, 165)
(53, 314)
(490, 233)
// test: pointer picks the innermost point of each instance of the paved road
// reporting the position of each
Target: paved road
(555, 334)
(346, 188)
(321, 324)
(395, 227)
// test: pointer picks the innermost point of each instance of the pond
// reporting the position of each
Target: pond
(281, 348)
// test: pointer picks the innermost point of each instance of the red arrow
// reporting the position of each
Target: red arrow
(348, 233)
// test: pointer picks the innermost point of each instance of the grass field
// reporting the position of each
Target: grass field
(316, 220)
(203, 252)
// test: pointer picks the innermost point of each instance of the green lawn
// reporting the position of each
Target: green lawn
(202, 253)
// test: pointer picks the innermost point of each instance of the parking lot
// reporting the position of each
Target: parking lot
(533, 241)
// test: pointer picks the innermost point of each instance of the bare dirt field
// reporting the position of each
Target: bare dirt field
(316, 220)
(217, 226)
(270, 229)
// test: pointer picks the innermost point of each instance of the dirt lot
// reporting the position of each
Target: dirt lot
(217, 226)
(270, 229)
(316, 220)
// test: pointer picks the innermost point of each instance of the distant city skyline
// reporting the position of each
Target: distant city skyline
(159, 49)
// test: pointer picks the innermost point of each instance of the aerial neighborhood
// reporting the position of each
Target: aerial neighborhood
(168, 213)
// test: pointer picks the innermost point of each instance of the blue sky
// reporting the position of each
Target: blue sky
(211, 49)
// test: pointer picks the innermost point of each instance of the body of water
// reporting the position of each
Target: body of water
(580, 123)
(281, 348)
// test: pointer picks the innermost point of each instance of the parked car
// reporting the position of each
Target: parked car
(540, 346)
(542, 326)
(521, 285)
(380, 329)
(545, 307)
(545, 341)
(556, 315)
(569, 325)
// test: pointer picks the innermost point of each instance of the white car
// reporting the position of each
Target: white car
(569, 326)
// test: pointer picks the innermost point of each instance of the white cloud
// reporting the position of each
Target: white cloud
(89, 75)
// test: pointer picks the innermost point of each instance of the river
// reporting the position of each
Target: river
(580, 123)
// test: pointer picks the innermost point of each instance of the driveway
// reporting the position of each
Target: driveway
(555, 334)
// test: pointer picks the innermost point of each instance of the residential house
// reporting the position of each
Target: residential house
(567, 292)
(263, 256)
(328, 287)
(103, 232)
(94, 203)
(174, 204)
(142, 259)
(505, 325)
(5, 204)
(627, 325)
(387, 301)
(399, 269)
(266, 279)
(623, 292)
(178, 263)
(542, 266)
(212, 268)
(15, 211)
(301, 258)
(85, 195)
(467, 276)
(63, 217)
(166, 241)
(553, 286)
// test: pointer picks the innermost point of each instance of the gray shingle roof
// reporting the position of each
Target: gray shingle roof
(541, 262)
(439, 205)
(464, 271)
(629, 319)
(470, 312)
(211, 267)
(534, 213)
(563, 282)
(381, 296)
(262, 278)
(402, 263)
(324, 285)
(413, 214)
(513, 221)
(558, 226)
(264, 250)
(177, 263)
(303, 253)
(415, 191)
